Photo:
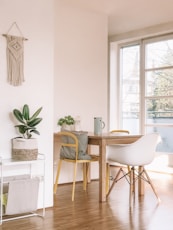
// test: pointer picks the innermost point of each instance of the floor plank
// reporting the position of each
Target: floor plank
(86, 213)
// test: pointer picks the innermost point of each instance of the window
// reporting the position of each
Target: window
(144, 97)
(130, 87)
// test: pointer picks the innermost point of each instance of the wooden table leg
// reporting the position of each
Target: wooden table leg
(102, 171)
(140, 183)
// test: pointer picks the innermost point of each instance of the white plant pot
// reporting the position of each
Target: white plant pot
(67, 127)
(24, 149)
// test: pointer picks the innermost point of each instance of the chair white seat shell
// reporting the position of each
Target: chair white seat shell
(139, 153)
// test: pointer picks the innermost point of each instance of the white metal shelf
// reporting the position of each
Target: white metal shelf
(4, 180)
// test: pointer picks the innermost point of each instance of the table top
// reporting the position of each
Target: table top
(110, 138)
(112, 135)
(105, 135)
(115, 138)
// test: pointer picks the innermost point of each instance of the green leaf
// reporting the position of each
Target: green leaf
(18, 115)
(26, 112)
(36, 114)
(34, 122)
(22, 128)
(35, 131)
(61, 121)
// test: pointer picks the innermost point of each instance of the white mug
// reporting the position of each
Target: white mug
(98, 125)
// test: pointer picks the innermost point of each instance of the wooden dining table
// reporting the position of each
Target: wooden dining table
(102, 141)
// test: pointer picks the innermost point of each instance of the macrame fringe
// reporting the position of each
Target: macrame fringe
(15, 56)
(15, 50)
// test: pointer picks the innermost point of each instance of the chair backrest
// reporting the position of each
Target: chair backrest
(120, 131)
(74, 145)
(141, 152)
(69, 145)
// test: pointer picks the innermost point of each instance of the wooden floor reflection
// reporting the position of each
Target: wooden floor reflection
(86, 213)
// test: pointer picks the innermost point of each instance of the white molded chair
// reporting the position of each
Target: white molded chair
(113, 163)
(139, 153)
(71, 143)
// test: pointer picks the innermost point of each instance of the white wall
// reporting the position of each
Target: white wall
(35, 19)
(80, 66)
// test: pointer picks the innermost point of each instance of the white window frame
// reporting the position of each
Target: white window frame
(116, 123)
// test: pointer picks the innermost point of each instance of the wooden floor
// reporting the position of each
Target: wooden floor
(87, 213)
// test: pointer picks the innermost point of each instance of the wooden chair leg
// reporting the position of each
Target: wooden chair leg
(128, 167)
(74, 181)
(133, 170)
(131, 186)
(88, 173)
(107, 177)
(114, 181)
(57, 175)
(84, 176)
(140, 181)
(151, 184)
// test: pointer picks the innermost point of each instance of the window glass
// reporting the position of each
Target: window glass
(159, 110)
(159, 82)
(130, 88)
(166, 145)
(159, 54)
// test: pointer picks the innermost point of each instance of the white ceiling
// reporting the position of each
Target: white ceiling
(128, 15)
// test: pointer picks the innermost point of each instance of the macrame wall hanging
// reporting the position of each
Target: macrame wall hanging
(15, 57)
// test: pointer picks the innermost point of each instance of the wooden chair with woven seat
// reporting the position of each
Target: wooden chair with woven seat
(71, 146)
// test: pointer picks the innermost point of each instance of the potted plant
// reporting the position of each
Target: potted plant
(66, 123)
(25, 147)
